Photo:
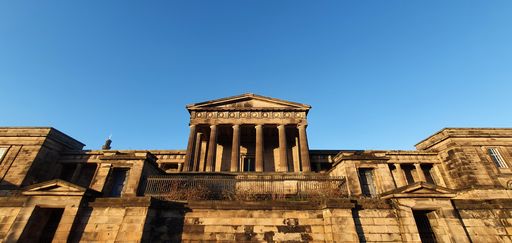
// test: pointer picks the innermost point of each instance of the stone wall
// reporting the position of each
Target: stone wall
(487, 221)
(253, 222)
(111, 220)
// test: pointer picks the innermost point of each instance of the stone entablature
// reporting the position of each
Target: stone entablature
(248, 117)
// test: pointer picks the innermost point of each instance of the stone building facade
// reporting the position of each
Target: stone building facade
(248, 175)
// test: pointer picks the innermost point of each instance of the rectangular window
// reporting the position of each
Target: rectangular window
(67, 172)
(86, 174)
(366, 181)
(408, 169)
(249, 164)
(424, 226)
(427, 171)
(115, 183)
(42, 225)
(496, 157)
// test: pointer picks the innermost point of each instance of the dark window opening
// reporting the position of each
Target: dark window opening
(392, 169)
(408, 169)
(366, 181)
(67, 172)
(427, 171)
(86, 174)
(249, 164)
(115, 183)
(424, 227)
(42, 225)
(320, 166)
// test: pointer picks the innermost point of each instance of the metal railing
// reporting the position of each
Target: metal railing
(261, 186)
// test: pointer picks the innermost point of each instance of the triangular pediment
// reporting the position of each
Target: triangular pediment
(420, 189)
(55, 188)
(247, 101)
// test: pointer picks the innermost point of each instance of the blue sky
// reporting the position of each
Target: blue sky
(379, 74)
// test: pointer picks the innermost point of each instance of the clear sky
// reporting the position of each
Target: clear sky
(379, 74)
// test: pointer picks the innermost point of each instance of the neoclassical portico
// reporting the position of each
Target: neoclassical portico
(247, 133)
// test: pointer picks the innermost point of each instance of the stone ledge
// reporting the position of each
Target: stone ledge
(270, 205)
(372, 203)
(122, 202)
(12, 201)
(483, 204)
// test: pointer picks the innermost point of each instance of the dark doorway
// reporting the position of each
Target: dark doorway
(424, 228)
(42, 225)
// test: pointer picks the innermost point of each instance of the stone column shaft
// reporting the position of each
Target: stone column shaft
(283, 156)
(304, 149)
(197, 153)
(190, 147)
(259, 148)
(419, 171)
(400, 178)
(212, 148)
(235, 149)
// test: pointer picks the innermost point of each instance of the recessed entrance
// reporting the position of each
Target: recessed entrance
(42, 225)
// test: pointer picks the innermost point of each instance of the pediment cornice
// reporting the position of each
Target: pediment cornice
(56, 187)
(248, 102)
(419, 189)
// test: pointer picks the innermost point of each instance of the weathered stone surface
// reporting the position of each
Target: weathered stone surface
(451, 182)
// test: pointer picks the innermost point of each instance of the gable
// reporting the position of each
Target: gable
(419, 189)
(247, 101)
(55, 187)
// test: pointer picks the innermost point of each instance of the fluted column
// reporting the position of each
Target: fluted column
(190, 148)
(259, 148)
(419, 171)
(197, 153)
(235, 148)
(304, 148)
(212, 147)
(400, 178)
(283, 160)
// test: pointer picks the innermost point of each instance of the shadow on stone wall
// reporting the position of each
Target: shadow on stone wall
(358, 224)
(164, 225)
(79, 224)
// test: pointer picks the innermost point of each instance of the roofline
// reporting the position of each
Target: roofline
(447, 135)
(51, 133)
(246, 95)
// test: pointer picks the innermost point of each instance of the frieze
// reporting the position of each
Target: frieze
(247, 114)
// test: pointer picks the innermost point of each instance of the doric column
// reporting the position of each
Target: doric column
(419, 171)
(259, 148)
(235, 148)
(400, 178)
(212, 147)
(197, 153)
(304, 148)
(180, 166)
(190, 148)
(283, 161)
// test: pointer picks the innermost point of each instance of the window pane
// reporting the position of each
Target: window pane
(497, 158)
(366, 181)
